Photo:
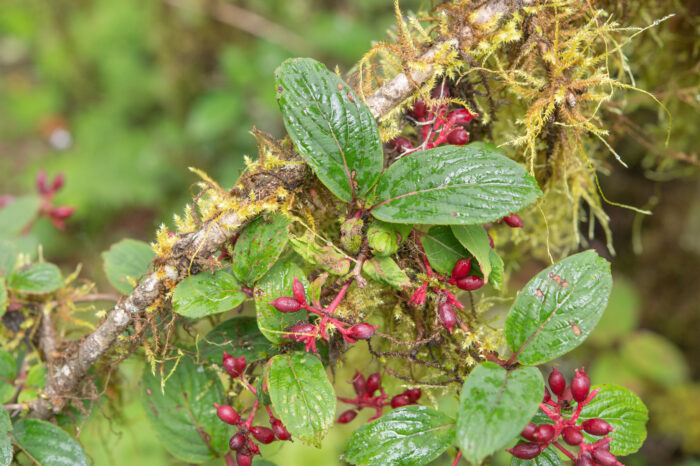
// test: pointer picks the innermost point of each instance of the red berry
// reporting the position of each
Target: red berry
(298, 291)
(263, 434)
(419, 109)
(280, 430)
(359, 383)
(529, 432)
(597, 427)
(234, 366)
(572, 436)
(526, 451)
(374, 382)
(585, 459)
(362, 331)
(544, 433)
(243, 459)
(458, 137)
(253, 447)
(227, 414)
(604, 458)
(401, 144)
(237, 441)
(470, 283)
(413, 394)
(447, 315)
(461, 268)
(62, 212)
(399, 400)
(347, 416)
(557, 382)
(580, 385)
(513, 221)
(286, 304)
(302, 329)
(461, 116)
(547, 395)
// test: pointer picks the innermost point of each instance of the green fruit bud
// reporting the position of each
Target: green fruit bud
(351, 234)
(383, 239)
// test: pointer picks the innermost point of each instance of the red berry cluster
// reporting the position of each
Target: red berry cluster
(241, 442)
(565, 425)
(309, 333)
(438, 125)
(367, 397)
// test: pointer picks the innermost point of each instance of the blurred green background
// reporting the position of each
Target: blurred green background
(122, 96)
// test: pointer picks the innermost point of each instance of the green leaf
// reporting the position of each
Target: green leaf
(302, 395)
(327, 256)
(408, 436)
(495, 406)
(36, 279)
(8, 366)
(8, 257)
(453, 185)
(5, 443)
(621, 316)
(127, 260)
(497, 269)
(3, 297)
(17, 215)
(625, 412)
(332, 128)
(654, 358)
(184, 408)
(548, 457)
(476, 241)
(558, 308)
(36, 377)
(384, 270)
(443, 249)
(239, 336)
(276, 283)
(258, 247)
(48, 444)
(206, 294)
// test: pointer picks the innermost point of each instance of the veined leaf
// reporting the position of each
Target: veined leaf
(258, 247)
(385, 270)
(36, 279)
(475, 239)
(48, 444)
(205, 294)
(126, 260)
(239, 336)
(443, 249)
(276, 283)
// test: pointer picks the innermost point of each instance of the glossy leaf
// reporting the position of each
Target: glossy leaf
(8, 257)
(497, 270)
(625, 412)
(451, 185)
(495, 406)
(258, 247)
(385, 270)
(206, 294)
(408, 436)
(476, 241)
(48, 444)
(332, 128)
(126, 262)
(276, 283)
(5, 443)
(301, 395)
(17, 215)
(548, 457)
(239, 336)
(558, 308)
(443, 249)
(185, 407)
(36, 279)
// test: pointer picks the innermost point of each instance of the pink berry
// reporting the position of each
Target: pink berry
(513, 221)
(413, 394)
(280, 430)
(529, 432)
(234, 366)
(461, 116)
(252, 447)
(302, 329)
(597, 427)
(347, 416)
(243, 459)
(62, 212)
(399, 400)
(604, 458)
(58, 182)
(263, 434)
(458, 137)
(419, 109)
(286, 304)
(572, 436)
(359, 383)
(557, 382)
(585, 459)
(374, 381)
(470, 283)
(544, 433)
(580, 385)
(227, 414)
(526, 451)
(237, 441)
(401, 144)
(447, 315)
(362, 331)
(461, 268)
(298, 290)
